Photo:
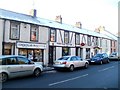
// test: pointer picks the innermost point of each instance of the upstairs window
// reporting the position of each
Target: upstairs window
(77, 41)
(66, 37)
(89, 40)
(14, 30)
(52, 35)
(34, 33)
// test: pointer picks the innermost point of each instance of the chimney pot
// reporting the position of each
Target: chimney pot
(58, 19)
(78, 24)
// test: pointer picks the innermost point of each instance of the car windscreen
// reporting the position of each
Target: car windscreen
(63, 58)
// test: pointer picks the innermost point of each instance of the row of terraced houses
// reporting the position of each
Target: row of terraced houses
(45, 40)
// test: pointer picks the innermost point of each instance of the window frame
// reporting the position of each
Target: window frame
(77, 39)
(89, 43)
(32, 29)
(66, 42)
(55, 32)
(11, 28)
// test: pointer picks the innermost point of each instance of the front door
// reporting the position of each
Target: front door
(52, 55)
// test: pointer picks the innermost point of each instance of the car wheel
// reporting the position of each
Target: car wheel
(86, 65)
(3, 77)
(101, 62)
(37, 72)
(71, 68)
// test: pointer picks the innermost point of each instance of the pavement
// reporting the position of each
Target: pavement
(45, 68)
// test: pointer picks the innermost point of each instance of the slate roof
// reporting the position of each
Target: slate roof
(5, 14)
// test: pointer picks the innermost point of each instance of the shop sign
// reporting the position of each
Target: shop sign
(30, 45)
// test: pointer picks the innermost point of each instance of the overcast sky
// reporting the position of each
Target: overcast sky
(91, 13)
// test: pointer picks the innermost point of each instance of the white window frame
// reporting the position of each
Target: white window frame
(66, 37)
(35, 30)
(15, 30)
(52, 35)
(77, 37)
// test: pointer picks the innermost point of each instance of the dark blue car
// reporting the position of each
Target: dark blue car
(100, 58)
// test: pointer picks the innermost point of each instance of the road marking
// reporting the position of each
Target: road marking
(106, 69)
(67, 80)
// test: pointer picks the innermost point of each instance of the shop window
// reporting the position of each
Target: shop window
(77, 36)
(15, 30)
(53, 35)
(65, 51)
(66, 37)
(34, 55)
(34, 33)
(22, 52)
(38, 55)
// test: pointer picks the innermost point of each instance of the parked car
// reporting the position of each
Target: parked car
(100, 58)
(114, 56)
(14, 66)
(70, 62)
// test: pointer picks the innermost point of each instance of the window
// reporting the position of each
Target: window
(78, 58)
(106, 43)
(66, 37)
(97, 43)
(77, 36)
(65, 51)
(73, 59)
(89, 40)
(9, 61)
(34, 33)
(15, 30)
(22, 60)
(52, 35)
(100, 42)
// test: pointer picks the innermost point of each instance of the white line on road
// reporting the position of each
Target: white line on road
(106, 69)
(67, 80)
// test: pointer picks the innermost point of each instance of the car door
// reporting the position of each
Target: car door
(80, 61)
(12, 67)
(77, 61)
(26, 67)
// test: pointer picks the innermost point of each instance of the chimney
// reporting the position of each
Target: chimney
(97, 30)
(33, 12)
(78, 24)
(58, 19)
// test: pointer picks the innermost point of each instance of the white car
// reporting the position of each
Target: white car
(70, 62)
(114, 56)
(14, 66)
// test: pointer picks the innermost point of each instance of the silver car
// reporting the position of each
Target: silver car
(70, 62)
(114, 56)
(14, 66)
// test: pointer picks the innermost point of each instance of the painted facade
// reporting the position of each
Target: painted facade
(42, 40)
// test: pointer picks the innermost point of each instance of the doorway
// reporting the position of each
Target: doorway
(52, 55)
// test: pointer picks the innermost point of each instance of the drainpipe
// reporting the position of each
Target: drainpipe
(3, 42)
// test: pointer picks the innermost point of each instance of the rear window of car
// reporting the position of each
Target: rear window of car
(63, 58)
